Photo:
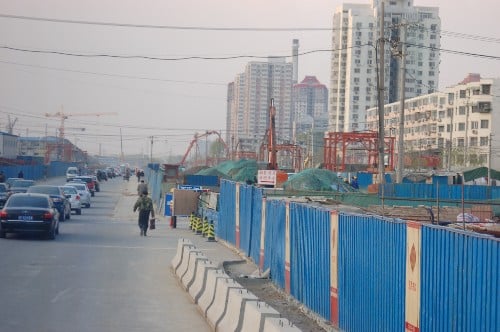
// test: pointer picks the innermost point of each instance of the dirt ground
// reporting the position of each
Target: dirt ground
(243, 272)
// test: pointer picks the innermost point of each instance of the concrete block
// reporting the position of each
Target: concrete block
(255, 314)
(206, 299)
(194, 258)
(199, 284)
(180, 249)
(232, 317)
(183, 267)
(272, 324)
(217, 309)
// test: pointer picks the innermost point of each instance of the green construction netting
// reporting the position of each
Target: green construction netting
(481, 172)
(317, 180)
(241, 170)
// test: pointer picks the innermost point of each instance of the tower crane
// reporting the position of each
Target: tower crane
(63, 116)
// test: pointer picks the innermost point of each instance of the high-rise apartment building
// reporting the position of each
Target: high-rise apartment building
(356, 30)
(249, 99)
(310, 105)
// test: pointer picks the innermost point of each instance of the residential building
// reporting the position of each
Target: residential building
(249, 98)
(353, 84)
(456, 125)
(310, 105)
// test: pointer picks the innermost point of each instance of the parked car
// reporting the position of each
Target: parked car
(71, 173)
(20, 186)
(89, 181)
(61, 202)
(27, 212)
(10, 181)
(74, 198)
(83, 191)
(97, 184)
(4, 189)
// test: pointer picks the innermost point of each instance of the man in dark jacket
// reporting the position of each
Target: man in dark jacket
(142, 188)
(145, 206)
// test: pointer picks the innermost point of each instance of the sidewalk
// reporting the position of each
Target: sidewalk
(236, 264)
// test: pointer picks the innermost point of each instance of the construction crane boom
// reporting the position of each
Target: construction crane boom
(63, 116)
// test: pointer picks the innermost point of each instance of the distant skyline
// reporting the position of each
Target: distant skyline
(171, 100)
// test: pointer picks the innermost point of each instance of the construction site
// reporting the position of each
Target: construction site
(348, 178)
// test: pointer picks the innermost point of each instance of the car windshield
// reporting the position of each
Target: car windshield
(69, 190)
(45, 190)
(27, 201)
(78, 186)
(23, 183)
(85, 179)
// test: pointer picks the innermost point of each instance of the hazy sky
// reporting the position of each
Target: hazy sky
(171, 100)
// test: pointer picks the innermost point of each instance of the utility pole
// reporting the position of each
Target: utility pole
(121, 146)
(489, 159)
(401, 149)
(381, 98)
(151, 151)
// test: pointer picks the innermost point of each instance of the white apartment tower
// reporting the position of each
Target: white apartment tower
(353, 84)
(249, 99)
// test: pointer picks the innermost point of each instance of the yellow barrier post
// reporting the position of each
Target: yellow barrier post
(211, 231)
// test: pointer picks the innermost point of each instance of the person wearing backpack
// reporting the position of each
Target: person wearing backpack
(145, 206)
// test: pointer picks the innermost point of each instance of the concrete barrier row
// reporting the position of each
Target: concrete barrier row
(226, 304)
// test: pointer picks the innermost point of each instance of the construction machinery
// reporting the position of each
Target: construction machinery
(63, 116)
(64, 147)
(198, 160)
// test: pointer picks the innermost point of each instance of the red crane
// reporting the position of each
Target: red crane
(271, 138)
(194, 142)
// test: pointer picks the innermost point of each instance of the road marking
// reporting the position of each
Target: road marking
(59, 295)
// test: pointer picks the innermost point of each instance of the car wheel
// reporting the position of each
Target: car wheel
(78, 211)
(57, 229)
(2, 234)
(92, 194)
(52, 233)
(88, 205)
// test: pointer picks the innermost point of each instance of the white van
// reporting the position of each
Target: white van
(71, 172)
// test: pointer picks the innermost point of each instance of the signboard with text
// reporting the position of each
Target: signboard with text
(266, 177)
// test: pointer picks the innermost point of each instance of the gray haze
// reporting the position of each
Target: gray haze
(172, 100)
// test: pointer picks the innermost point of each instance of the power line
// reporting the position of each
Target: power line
(165, 27)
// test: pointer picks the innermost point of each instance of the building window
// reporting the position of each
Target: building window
(483, 141)
(461, 126)
(462, 93)
(461, 110)
(484, 124)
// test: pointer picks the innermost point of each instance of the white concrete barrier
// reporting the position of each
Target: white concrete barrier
(272, 324)
(199, 284)
(206, 298)
(232, 318)
(180, 249)
(216, 310)
(195, 257)
(255, 314)
(183, 267)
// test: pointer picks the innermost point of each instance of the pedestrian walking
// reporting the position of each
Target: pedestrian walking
(145, 206)
(142, 188)
(2, 177)
(20, 174)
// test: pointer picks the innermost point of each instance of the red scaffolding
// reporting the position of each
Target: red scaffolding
(341, 148)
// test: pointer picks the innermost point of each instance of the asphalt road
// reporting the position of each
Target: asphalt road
(98, 275)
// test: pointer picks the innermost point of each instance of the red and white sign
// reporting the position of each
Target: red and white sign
(412, 298)
(266, 177)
